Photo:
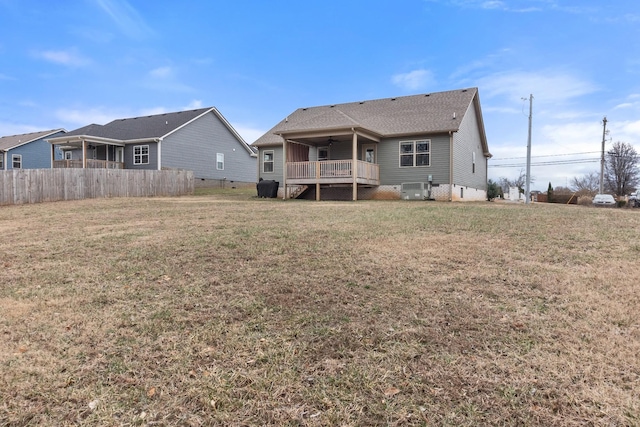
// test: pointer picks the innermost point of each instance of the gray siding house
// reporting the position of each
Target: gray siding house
(432, 144)
(28, 151)
(201, 140)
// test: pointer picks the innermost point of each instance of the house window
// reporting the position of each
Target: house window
(415, 153)
(140, 154)
(267, 161)
(68, 155)
(1, 161)
(323, 153)
(220, 161)
(16, 161)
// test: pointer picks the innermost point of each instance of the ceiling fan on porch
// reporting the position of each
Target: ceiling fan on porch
(330, 141)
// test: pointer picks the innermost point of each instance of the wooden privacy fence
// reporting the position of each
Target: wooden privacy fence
(20, 186)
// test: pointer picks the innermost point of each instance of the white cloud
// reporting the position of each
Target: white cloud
(194, 105)
(126, 18)
(165, 78)
(69, 57)
(248, 133)
(86, 116)
(623, 105)
(548, 86)
(161, 72)
(414, 80)
(9, 129)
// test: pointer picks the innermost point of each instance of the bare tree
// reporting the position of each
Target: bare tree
(621, 169)
(587, 185)
(519, 182)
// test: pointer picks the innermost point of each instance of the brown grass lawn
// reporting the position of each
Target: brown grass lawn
(222, 309)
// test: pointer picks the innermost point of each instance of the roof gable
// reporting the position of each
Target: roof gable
(13, 141)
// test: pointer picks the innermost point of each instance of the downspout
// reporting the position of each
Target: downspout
(159, 141)
(450, 166)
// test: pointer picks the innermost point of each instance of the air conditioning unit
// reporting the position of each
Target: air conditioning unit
(415, 191)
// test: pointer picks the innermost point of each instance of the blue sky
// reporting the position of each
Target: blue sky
(71, 63)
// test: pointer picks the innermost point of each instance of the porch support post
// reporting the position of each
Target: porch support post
(450, 166)
(354, 164)
(317, 181)
(84, 154)
(53, 155)
(284, 166)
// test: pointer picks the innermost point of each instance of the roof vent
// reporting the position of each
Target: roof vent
(331, 106)
(361, 102)
(464, 90)
(454, 115)
(393, 99)
(428, 94)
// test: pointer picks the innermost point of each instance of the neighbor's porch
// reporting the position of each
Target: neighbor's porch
(85, 154)
(88, 164)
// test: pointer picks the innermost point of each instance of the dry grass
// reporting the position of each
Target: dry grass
(221, 309)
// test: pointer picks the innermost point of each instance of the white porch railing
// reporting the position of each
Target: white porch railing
(332, 172)
(91, 164)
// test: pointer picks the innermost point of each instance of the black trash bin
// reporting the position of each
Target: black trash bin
(268, 188)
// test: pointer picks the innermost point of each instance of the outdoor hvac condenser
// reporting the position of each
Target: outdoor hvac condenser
(415, 191)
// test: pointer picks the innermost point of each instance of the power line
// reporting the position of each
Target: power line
(549, 163)
(549, 155)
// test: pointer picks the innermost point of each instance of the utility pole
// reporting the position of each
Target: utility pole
(527, 192)
(604, 134)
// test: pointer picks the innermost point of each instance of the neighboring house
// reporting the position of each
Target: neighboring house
(28, 151)
(434, 143)
(201, 140)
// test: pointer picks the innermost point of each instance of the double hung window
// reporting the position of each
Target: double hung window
(16, 161)
(415, 153)
(267, 161)
(140, 154)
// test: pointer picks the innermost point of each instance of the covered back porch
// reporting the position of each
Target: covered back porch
(85, 153)
(330, 158)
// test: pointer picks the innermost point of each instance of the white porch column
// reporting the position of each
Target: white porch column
(284, 166)
(84, 154)
(354, 165)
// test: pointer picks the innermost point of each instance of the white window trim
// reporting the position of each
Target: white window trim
(272, 161)
(414, 153)
(13, 161)
(219, 160)
(141, 155)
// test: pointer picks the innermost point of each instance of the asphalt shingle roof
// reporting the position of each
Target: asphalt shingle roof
(144, 127)
(405, 115)
(9, 142)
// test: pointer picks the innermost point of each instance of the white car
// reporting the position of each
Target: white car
(604, 200)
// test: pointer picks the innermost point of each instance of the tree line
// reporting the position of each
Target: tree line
(621, 176)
